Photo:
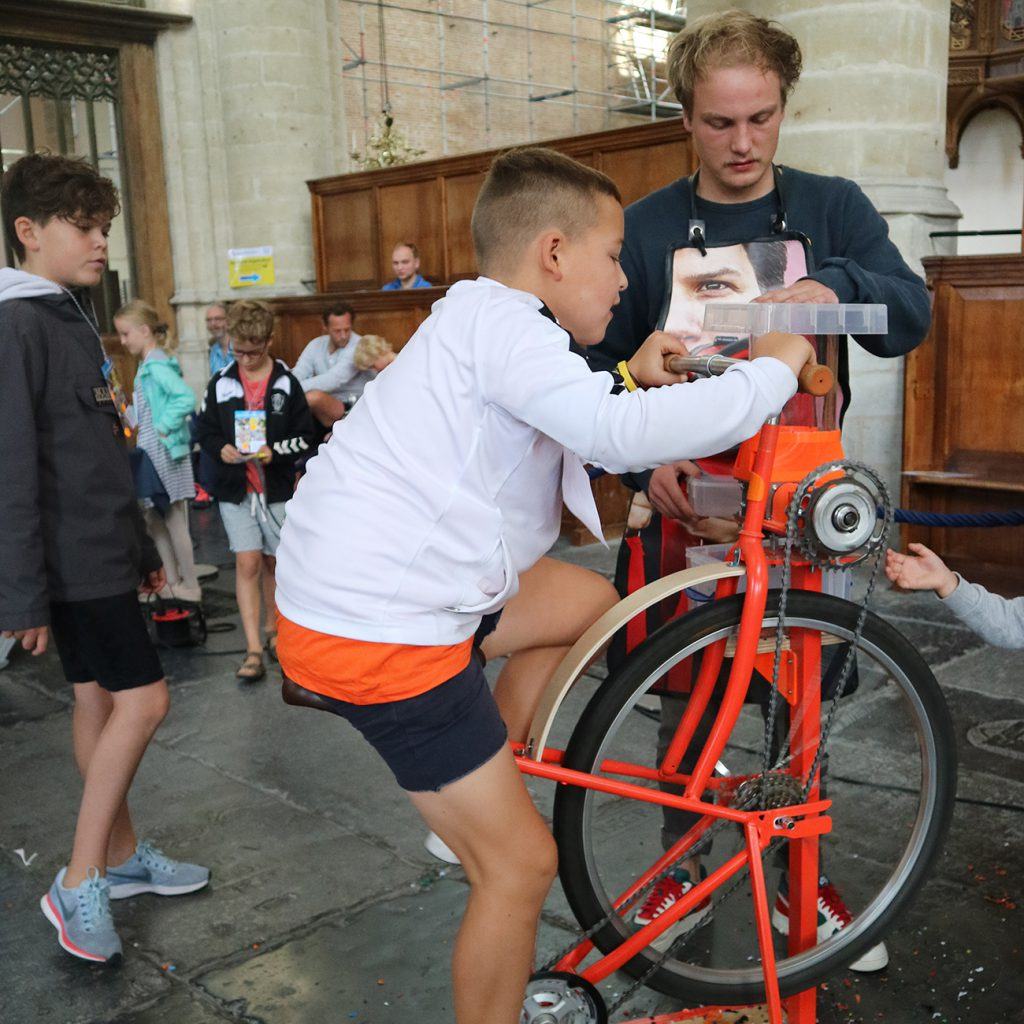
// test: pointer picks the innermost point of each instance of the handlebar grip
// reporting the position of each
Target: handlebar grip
(814, 379)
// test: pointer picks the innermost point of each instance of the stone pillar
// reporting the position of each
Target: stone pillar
(250, 112)
(871, 106)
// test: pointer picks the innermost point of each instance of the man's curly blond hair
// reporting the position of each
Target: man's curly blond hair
(728, 40)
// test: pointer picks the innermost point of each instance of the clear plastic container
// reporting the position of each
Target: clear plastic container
(715, 495)
(837, 582)
(756, 318)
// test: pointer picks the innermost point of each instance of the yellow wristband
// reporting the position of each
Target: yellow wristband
(627, 377)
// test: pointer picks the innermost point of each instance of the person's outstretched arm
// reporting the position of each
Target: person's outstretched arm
(997, 620)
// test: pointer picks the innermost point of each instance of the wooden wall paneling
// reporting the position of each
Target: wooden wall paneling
(395, 315)
(637, 177)
(461, 191)
(349, 241)
(964, 414)
(430, 202)
(412, 212)
(146, 198)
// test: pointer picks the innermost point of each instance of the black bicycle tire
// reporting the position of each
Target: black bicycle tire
(602, 710)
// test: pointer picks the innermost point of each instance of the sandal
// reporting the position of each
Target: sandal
(271, 646)
(251, 670)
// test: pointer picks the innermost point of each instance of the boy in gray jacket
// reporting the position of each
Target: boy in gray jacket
(997, 620)
(73, 548)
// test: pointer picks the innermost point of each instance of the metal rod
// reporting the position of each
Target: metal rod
(966, 234)
(90, 127)
(26, 119)
(441, 50)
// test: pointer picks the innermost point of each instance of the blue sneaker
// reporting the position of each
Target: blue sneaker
(148, 870)
(82, 918)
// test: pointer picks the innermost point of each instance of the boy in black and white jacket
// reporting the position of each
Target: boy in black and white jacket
(251, 490)
(449, 477)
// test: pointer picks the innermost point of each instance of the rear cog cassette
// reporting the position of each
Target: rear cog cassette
(779, 789)
(840, 520)
(560, 997)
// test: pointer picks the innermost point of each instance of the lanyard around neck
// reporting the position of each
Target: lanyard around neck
(697, 234)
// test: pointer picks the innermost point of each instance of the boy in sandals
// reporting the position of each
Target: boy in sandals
(251, 488)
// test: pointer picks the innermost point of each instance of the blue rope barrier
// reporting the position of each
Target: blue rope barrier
(1012, 517)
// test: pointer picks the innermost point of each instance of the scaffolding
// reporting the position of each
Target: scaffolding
(628, 39)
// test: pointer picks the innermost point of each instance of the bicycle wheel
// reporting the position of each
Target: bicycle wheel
(891, 758)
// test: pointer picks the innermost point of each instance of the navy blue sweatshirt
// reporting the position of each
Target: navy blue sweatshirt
(850, 250)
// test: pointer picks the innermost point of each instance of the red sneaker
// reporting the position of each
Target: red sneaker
(672, 887)
(833, 916)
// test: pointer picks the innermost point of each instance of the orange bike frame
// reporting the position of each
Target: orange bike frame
(801, 824)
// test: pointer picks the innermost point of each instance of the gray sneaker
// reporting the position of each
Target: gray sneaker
(82, 918)
(148, 870)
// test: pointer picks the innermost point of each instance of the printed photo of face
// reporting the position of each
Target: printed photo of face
(732, 273)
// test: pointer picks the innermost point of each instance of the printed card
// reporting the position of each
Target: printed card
(250, 430)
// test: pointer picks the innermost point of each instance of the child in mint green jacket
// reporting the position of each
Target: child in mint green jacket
(163, 403)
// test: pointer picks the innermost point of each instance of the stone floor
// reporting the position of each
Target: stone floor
(325, 908)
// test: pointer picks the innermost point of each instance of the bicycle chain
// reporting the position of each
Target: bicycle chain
(760, 793)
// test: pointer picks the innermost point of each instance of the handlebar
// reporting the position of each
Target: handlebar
(813, 379)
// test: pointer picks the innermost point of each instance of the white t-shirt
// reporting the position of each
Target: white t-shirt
(447, 480)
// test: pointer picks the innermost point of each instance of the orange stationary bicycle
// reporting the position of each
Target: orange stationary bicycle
(831, 749)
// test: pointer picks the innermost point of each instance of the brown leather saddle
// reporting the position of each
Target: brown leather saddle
(300, 697)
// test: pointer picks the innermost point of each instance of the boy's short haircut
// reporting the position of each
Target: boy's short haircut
(411, 246)
(250, 320)
(338, 309)
(370, 348)
(42, 186)
(728, 40)
(530, 189)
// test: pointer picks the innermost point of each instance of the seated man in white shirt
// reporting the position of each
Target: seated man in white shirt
(326, 369)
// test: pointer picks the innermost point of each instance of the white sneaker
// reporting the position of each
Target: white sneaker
(438, 848)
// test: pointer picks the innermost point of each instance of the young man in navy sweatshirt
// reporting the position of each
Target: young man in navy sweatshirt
(732, 73)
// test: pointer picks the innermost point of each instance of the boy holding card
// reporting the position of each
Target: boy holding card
(255, 422)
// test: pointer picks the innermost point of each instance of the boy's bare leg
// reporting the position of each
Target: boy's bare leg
(115, 757)
(247, 593)
(269, 585)
(509, 856)
(93, 706)
(556, 603)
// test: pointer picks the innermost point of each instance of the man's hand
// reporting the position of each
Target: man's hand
(230, 454)
(647, 367)
(666, 494)
(33, 640)
(265, 454)
(153, 582)
(920, 570)
(806, 290)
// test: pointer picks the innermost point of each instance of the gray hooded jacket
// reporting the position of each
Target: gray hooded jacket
(70, 526)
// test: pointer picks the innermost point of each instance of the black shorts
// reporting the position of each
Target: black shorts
(437, 737)
(105, 640)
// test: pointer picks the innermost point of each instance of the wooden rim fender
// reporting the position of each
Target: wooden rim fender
(583, 651)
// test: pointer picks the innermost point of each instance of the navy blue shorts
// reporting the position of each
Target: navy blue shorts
(438, 737)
